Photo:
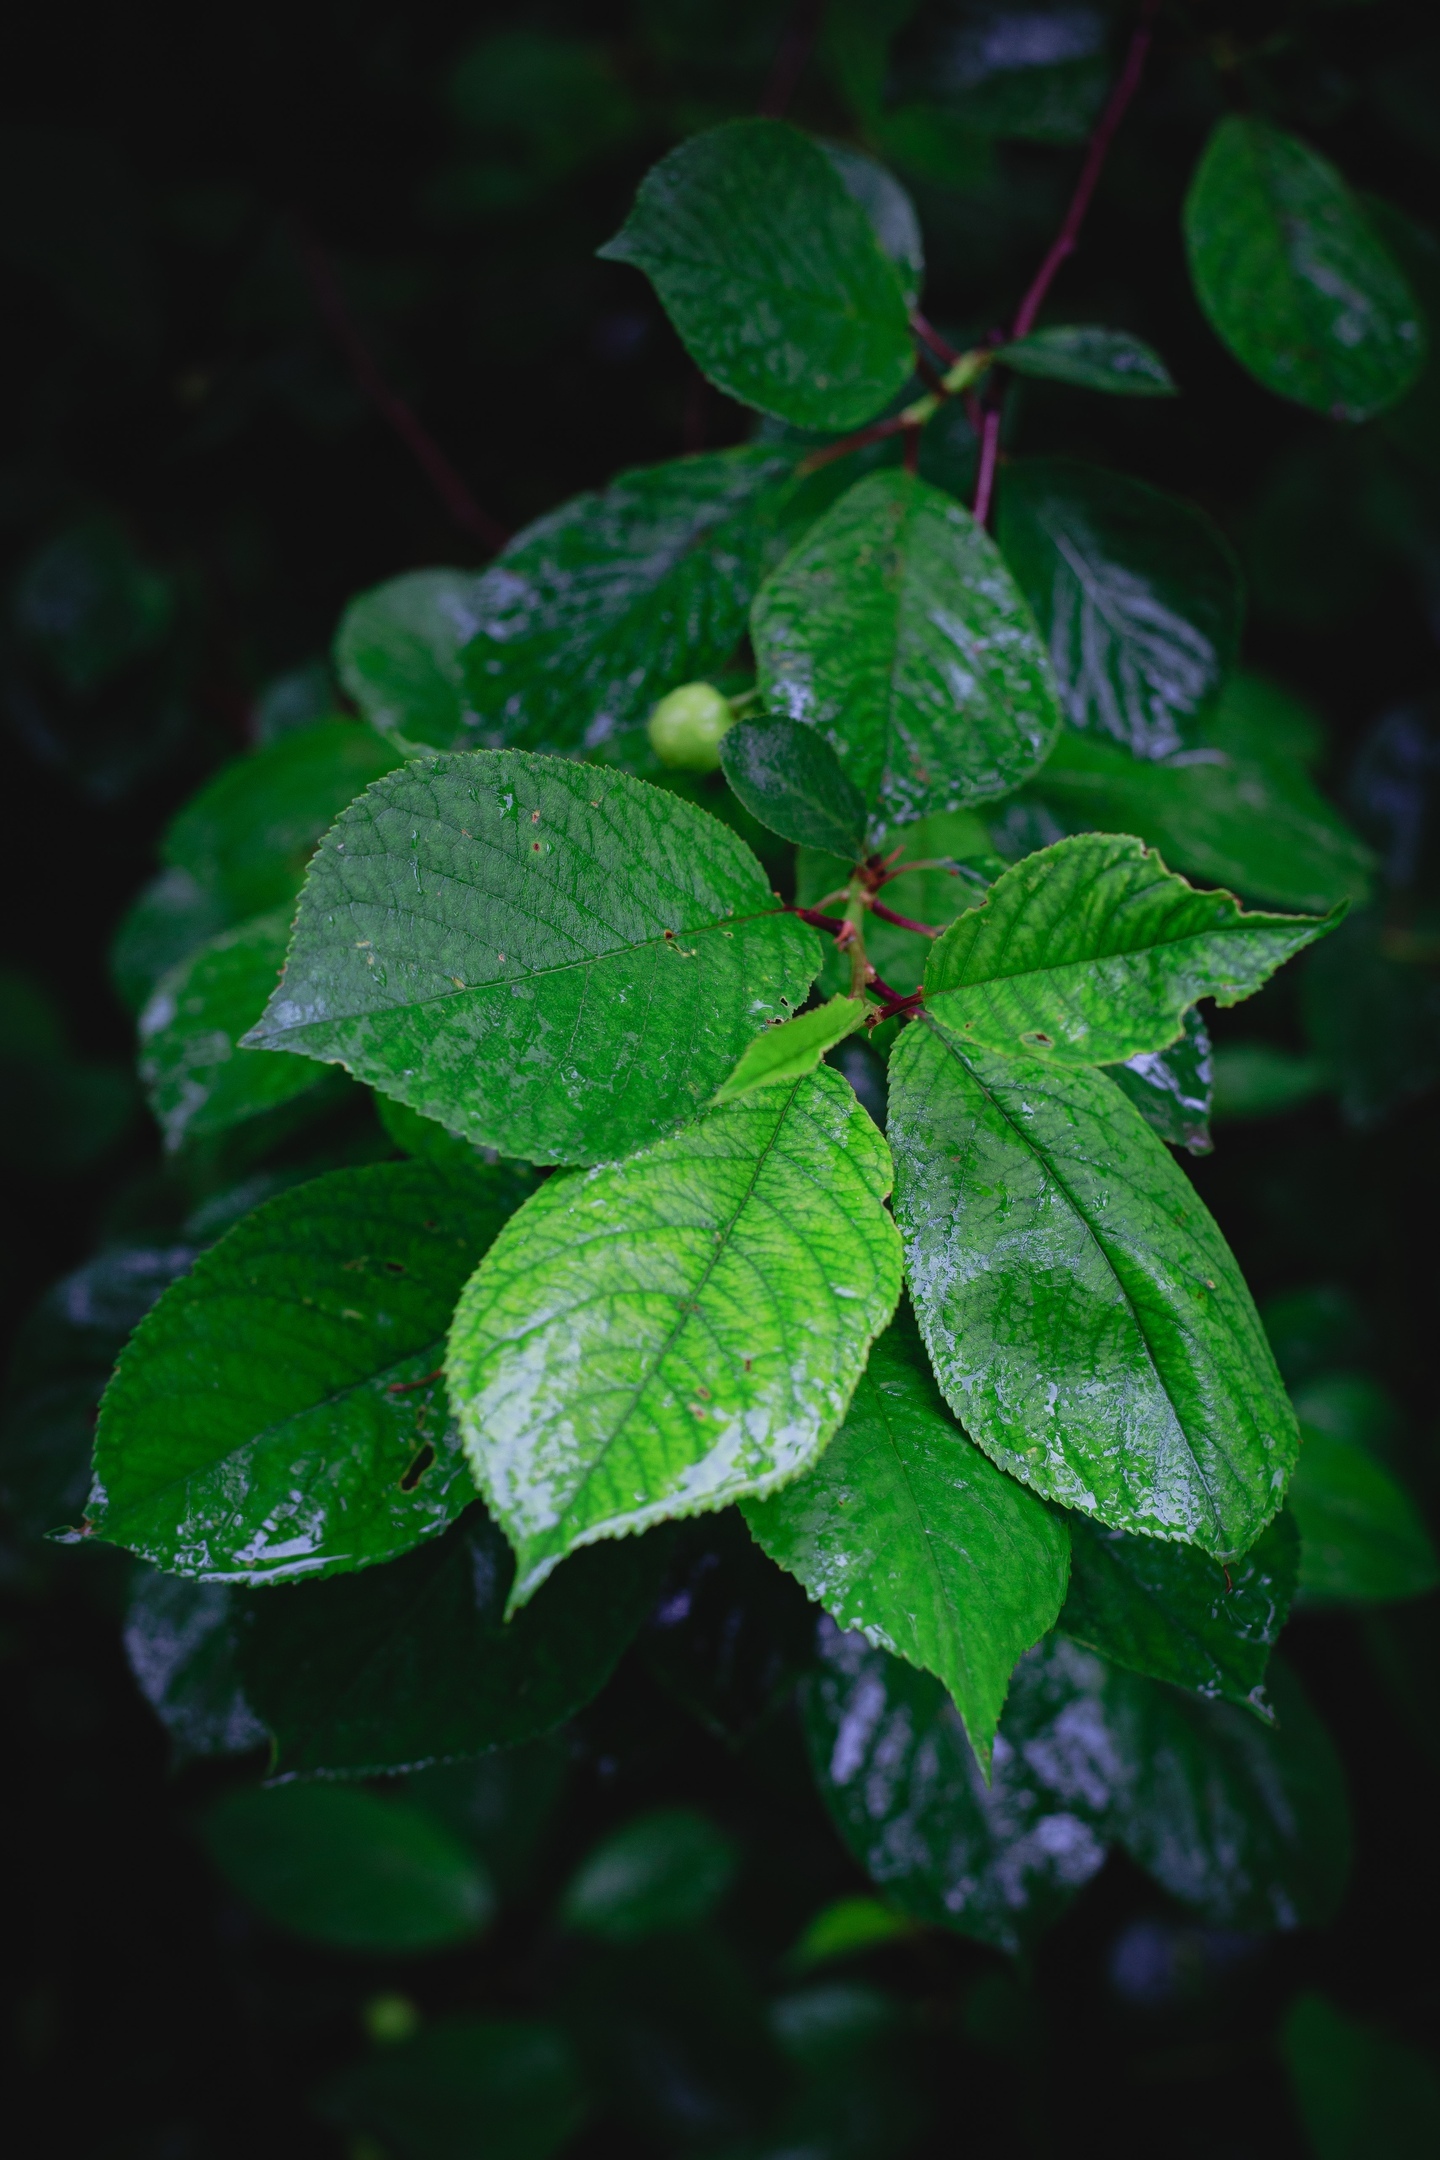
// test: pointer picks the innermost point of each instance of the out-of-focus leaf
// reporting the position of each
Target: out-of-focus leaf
(398, 653)
(1360, 2092)
(1027, 72)
(1257, 1080)
(730, 1633)
(665, 1870)
(180, 1644)
(59, 1114)
(1372, 1019)
(1092, 359)
(1363, 1537)
(1173, 1089)
(168, 921)
(503, 1803)
(514, 2086)
(90, 603)
(841, 1929)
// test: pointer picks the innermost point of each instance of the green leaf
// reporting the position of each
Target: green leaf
(1091, 951)
(90, 604)
(1258, 1080)
(1372, 1018)
(346, 1676)
(794, 1048)
(597, 610)
(846, 1925)
(1360, 2093)
(1172, 1089)
(894, 628)
(250, 831)
(398, 653)
(661, 1336)
(550, 960)
(1262, 829)
(668, 1869)
(1137, 595)
(790, 778)
(1092, 358)
(1032, 73)
(427, 2098)
(1084, 1316)
(960, 863)
(434, 1144)
(280, 1413)
(1294, 278)
(772, 273)
(905, 1530)
(347, 1868)
(889, 209)
(180, 1644)
(166, 922)
(1174, 1613)
(200, 1078)
(1363, 1539)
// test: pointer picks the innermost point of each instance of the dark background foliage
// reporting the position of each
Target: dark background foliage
(193, 482)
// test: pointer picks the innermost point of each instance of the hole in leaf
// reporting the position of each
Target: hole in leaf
(418, 1468)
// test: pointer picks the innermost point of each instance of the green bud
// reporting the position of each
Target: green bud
(686, 727)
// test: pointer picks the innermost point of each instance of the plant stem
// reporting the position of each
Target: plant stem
(792, 58)
(989, 459)
(851, 936)
(902, 922)
(926, 331)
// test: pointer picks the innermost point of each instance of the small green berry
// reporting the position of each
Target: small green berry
(686, 727)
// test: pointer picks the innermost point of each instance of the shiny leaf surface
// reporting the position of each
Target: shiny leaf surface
(896, 630)
(661, 1336)
(889, 209)
(905, 1530)
(772, 273)
(1294, 278)
(550, 960)
(1083, 1314)
(1174, 1089)
(789, 777)
(1092, 359)
(180, 1644)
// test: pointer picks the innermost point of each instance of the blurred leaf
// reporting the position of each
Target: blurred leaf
(1360, 2093)
(1137, 595)
(169, 920)
(1091, 358)
(791, 780)
(841, 1929)
(462, 2085)
(1371, 1019)
(861, 2095)
(345, 1673)
(1363, 1537)
(1414, 423)
(59, 1114)
(1313, 1330)
(1257, 1080)
(180, 1644)
(666, 1870)
(1172, 1089)
(730, 1633)
(542, 104)
(345, 1868)
(504, 1804)
(1294, 278)
(889, 209)
(1034, 73)
(751, 222)
(291, 702)
(398, 649)
(90, 603)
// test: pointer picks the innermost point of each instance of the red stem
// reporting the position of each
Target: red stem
(428, 455)
(989, 459)
(940, 346)
(876, 432)
(833, 923)
(902, 922)
(792, 58)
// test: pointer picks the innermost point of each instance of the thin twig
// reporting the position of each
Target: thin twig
(428, 455)
(926, 331)
(989, 458)
(876, 432)
(833, 923)
(792, 58)
(902, 922)
(407, 1387)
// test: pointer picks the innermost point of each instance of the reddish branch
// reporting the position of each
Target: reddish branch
(902, 922)
(792, 58)
(428, 455)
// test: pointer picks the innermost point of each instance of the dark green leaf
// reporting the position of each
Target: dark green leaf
(347, 1677)
(1257, 1080)
(1091, 951)
(281, 1412)
(1172, 1089)
(894, 628)
(1173, 1612)
(346, 1868)
(794, 1048)
(1032, 73)
(1360, 2092)
(1372, 1018)
(548, 959)
(1294, 278)
(731, 1632)
(90, 603)
(398, 652)
(59, 1114)
(789, 777)
(180, 1644)
(461, 2086)
(889, 209)
(905, 1530)
(1414, 424)
(164, 924)
(1363, 1537)
(611, 601)
(438, 1148)
(772, 273)
(1092, 358)
(503, 1803)
(1263, 830)
(1084, 1316)
(251, 830)
(665, 1870)
(660, 1336)
(1137, 596)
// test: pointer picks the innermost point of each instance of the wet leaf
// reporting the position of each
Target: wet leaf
(281, 1413)
(1173, 1089)
(347, 1868)
(548, 959)
(658, 1337)
(895, 629)
(1084, 1316)
(398, 652)
(1172, 1612)
(790, 778)
(1091, 358)
(1294, 278)
(424, 2099)
(904, 1530)
(665, 1870)
(794, 1048)
(180, 1644)
(1091, 952)
(772, 273)
(346, 1676)
(1137, 596)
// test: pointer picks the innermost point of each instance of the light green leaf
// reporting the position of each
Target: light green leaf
(1172, 1612)
(846, 1925)
(1363, 1539)
(200, 1078)
(597, 610)
(668, 1869)
(1084, 1316)
(772, 273)
(895, 628)
(794, 1048)
(250, 831)
(904, 1530)
(1294, 278)
(398, 649)
(551, 960)
(1172, 1088)
(280, 1413)
(661, 1336)
(1091, 951)
(1262, 829)
(1136, 593)
(1092, 358)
